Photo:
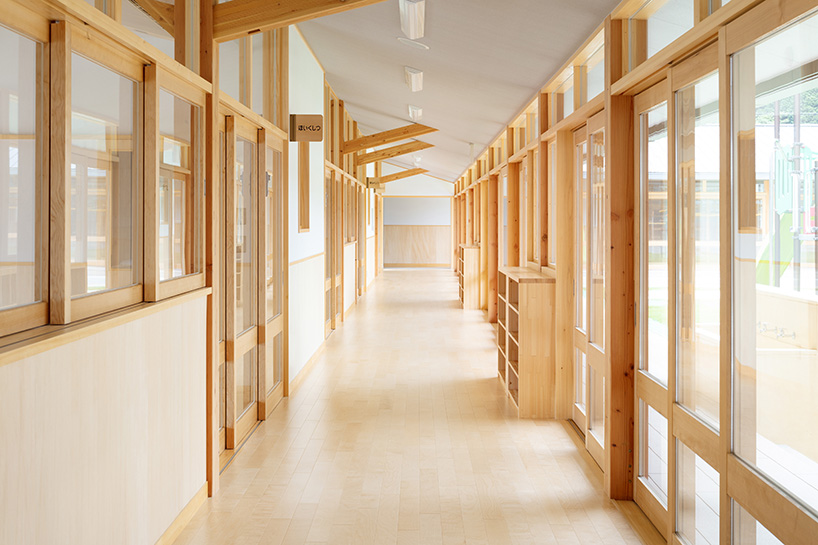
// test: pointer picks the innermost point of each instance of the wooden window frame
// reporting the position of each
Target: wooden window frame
(20, 20)
(63, 307)
(765, 500)
(156, 79)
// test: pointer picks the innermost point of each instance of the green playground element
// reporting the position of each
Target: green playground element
(765, 267)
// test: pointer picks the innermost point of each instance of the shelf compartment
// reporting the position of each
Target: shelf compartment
(514, 389)
(501, 365)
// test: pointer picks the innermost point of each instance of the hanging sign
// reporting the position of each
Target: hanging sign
(306, 128)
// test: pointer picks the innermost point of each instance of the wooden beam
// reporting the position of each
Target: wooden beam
(239, 18)
(397, 176)
(160, 12)
(394, 151)
(387, 137)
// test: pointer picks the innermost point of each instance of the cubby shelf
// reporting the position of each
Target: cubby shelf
(468, 276)
(525, 340)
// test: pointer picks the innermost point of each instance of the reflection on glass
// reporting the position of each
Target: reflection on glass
(223, 261)
(245, 252)
(580, 379)
(596, 332)
(229, 63)
(275, 229)
(595, 73)
(245, 381)
(222, 395)
(697, 158)
(748, 531)
(20, 160)
(552, 203)
(654, 233)
(535, 209)
(697, 492)
(597, 424)
(275, 358)
(663, 21)
(581, 236)
(177, 248)
(654, 450)
(104, 179)
(775, 123)
(563, 99)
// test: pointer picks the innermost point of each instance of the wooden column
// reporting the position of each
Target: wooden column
(565, 275)
(470, 217)
(209, 67)
(619, 321)
(59, 292)
(484, 244)
(513, 240)
(492, 254)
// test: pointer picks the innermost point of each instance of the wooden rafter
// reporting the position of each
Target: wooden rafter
(387, 137)
(160, 12)
(394, 151)
(239, 18)
(397, 176)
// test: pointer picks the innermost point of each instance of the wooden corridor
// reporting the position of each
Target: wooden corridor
(402, 434)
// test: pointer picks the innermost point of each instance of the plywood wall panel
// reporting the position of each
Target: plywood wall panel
(417, 245)
(104, 437)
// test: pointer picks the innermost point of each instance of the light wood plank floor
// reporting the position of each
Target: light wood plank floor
(402, 434)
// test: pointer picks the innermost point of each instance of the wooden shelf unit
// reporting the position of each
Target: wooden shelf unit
(526, 340)
(468, 276)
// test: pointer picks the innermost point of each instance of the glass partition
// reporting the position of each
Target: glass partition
(105, 182)
(775, 243)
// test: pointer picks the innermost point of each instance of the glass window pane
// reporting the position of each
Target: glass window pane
(596, 333)
(580, 378)
(178, 248)
(552, 204)
(245, 381)
(275, 358)
(581, 235)
(748, 531)
(697, 492)
(595, 73)
(563, 99)
(229, 63)
(20, 170)
(699, 295)
(654, 243)
(104, 179)
(223, 259)
(775, 101)
(260, 81)
(597, 423)
(654, 450)
(245, 252)
(143, 25)
(663, 21)
(275, 230)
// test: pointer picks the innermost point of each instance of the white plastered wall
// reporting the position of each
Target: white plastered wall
(306, 304)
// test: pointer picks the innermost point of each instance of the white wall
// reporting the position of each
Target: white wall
(306, 319)
(103, 438)
(417, 217)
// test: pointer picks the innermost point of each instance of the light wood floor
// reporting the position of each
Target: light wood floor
(402, 434)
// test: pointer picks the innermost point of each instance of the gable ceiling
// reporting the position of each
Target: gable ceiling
(487, 58)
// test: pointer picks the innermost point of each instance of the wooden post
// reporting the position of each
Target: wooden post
(620, 308)
(492, 255)
(513, 240)
(565, 275)
(470, 217)
(484, 244)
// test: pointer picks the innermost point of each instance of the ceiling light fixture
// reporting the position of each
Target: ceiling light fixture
(410, 43)
(415, 113)
(412, 18)
(414, 78)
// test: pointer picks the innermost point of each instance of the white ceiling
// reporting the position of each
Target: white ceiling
(487, 59)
